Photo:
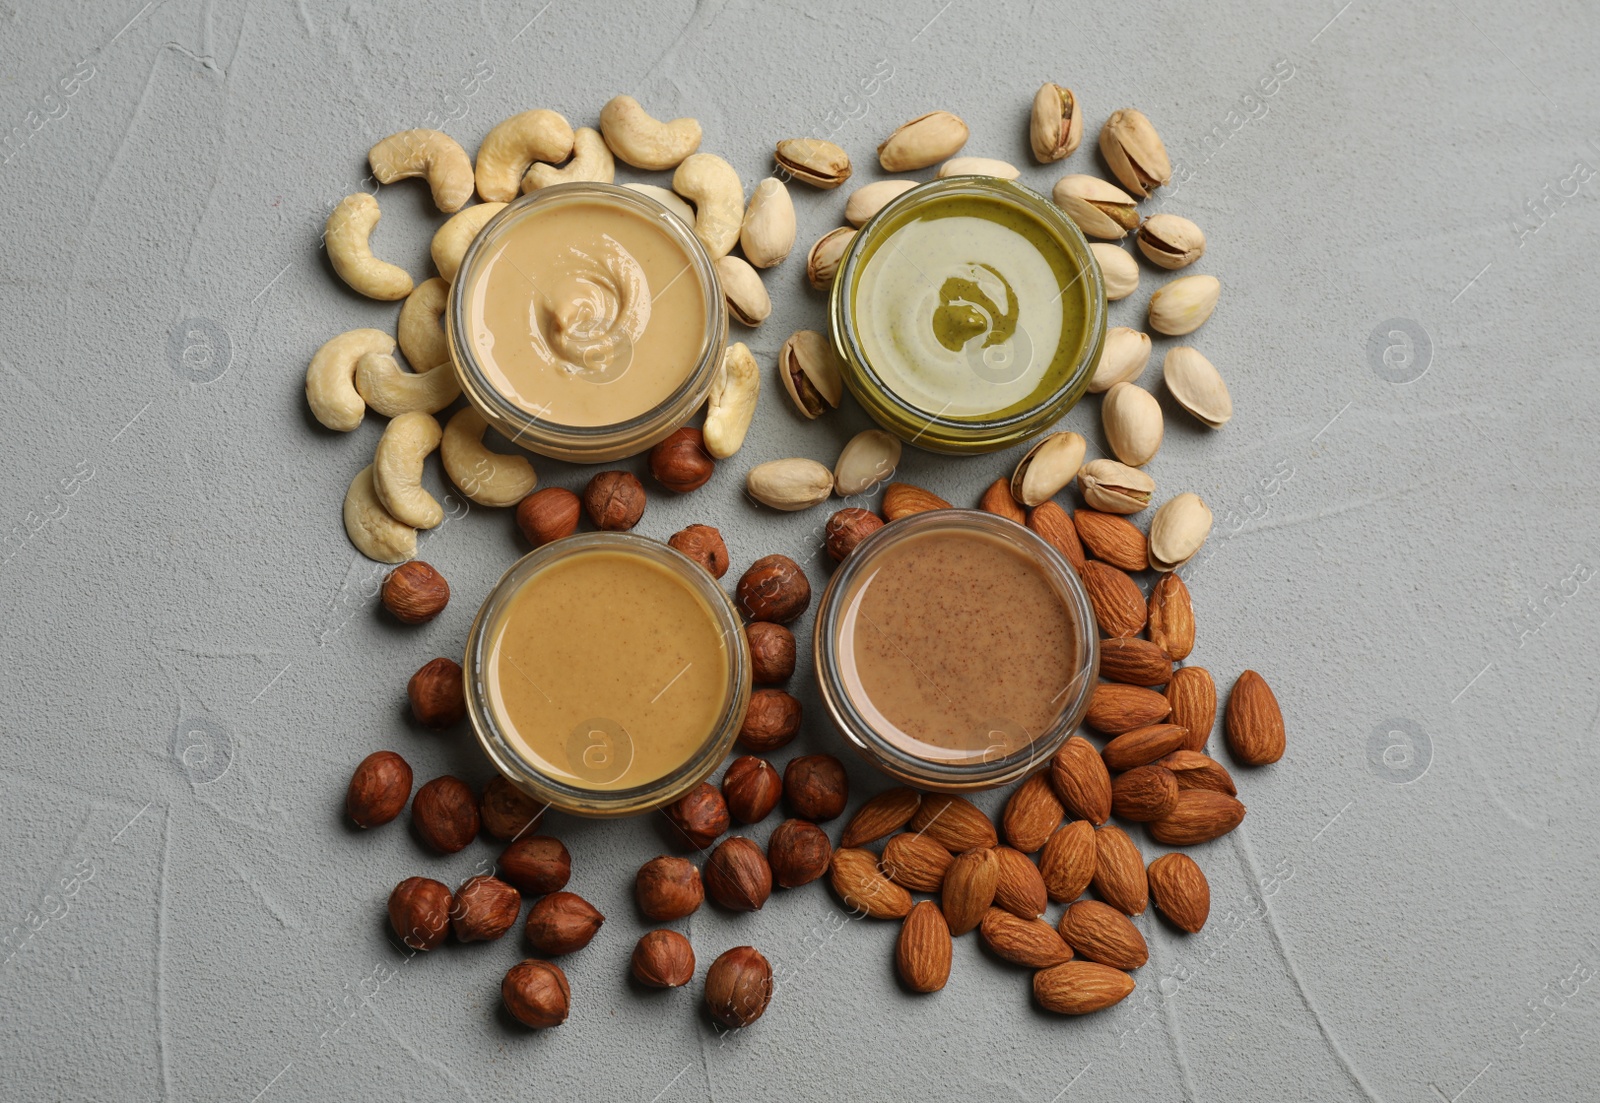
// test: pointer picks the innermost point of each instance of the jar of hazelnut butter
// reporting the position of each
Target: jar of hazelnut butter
(955, 650)
(607, 674)
(586, 322)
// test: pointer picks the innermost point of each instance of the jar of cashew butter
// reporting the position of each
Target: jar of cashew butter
(586, 322)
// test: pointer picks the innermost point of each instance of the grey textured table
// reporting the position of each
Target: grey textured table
(1404, 229)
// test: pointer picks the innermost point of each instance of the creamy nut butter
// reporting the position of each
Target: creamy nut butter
(956, 646)
(586, 311)
(606, 670)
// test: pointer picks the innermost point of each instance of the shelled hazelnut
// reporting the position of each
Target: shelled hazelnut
(614, 501)
(507, 811)
(536, 993)
(419, 912)
(704, 545)
(663, 959)
(547, 515)
(847, 528)
(562, 923)
(798, 852)
(415, 592)
(739, 986)
(485, 908)
(773, 588)
(816, 787)
(536, 864)
(772, 651)
(700, 814)
(770, 721)
(737, 875)
(751, 788)
(445, 814)
(681, 462)
(438, 694)
(378, 789)
(668, 888)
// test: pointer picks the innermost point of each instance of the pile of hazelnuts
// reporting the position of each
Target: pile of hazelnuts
(737, 873)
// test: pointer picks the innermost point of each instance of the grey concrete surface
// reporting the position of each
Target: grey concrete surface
(1405, 546)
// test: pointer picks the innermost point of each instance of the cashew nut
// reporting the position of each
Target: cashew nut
(488, 478)
(669, 199)
(732, 405)
(450, 243)
(330, 380)
(712, 185)
(514, 145)
(393, 391)
(397, 470)
(643, 141)
(430, 153)
(591, 160)
(346, 234)
(375, 534)
(421, 333)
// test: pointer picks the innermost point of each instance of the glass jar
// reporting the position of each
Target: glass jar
(615, 718)
(597, 348)
(996, 749)
(924, 359)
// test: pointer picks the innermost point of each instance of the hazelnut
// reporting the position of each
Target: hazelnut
(816, 787)
(771, 651)
(704, 545)
(751, 788)
(738, 986)
(614, 501)
(737, 875)
(485, 908)
(445, 814)
(701, 814)
(847, 528)
(562, 923)
(547, 515)
(438, 693)
(508, 812)
(681, 462)
(536, 864)
(536, 993)
(419, 912)
(668, 888)
(773, 588)
(798, 852)
(770, 721)
(663, 959)
(378, 789)
(415, 593)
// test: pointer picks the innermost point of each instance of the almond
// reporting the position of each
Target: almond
(1172, 617)
(1020, 888)
(1134, 662)
(1119, 606)
(884, 814)
(1032, 813)
(1144, 793)
(954, 822)
(1079, 775)
(1112, 538)
(1080, 987)
(1119, 875)
(916, 862)
(998, 501)
(1180, 891)
(1100, 933)
(1031, 942)
(969, 886)
(1143, 746)
(923, 952)
(903, 499)
(863, 888)
(1254, 722)
(1067, 861)
(1193, 697)
(1116, 708)
(1199, 816)
(1053, 525)
(1194, 770)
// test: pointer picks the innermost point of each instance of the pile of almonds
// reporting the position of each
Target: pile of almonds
(1154, 715)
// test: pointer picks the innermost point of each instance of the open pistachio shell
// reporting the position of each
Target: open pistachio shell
(1048, 466)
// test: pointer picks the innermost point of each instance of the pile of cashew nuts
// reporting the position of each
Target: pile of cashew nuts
(386, 504)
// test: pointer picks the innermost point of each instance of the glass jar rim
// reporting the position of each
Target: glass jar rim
(575, 442)
(892, 759)
(605, 802)
(848, 346)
